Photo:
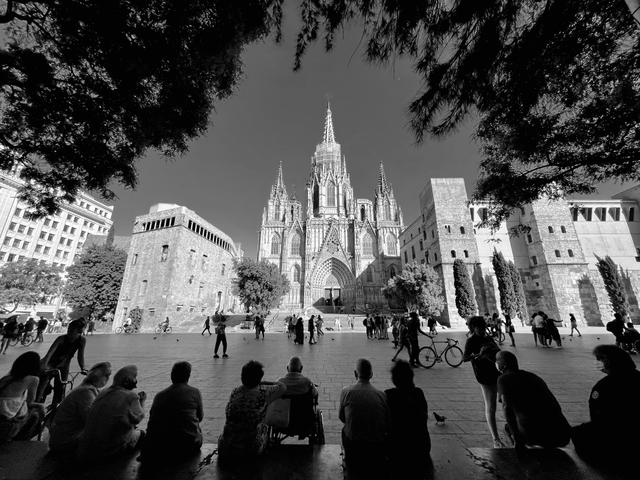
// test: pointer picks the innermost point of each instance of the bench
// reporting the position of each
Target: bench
(29, 461)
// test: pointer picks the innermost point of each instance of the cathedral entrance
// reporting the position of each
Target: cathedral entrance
(332, 285)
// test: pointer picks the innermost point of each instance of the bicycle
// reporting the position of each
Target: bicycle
(126, 329)
(496, 334)
(452, 353)
(51, 409)
(162, 330)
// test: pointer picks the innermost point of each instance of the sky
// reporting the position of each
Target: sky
(276, 115)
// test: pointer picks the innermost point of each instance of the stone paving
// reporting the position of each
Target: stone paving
(452, 392)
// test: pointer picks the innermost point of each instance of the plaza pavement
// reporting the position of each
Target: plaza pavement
(452, 392)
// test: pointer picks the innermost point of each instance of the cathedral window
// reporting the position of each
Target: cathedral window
(563, 229)
(316, 198)
(295, 246)
(392, 245)
(363, 214)
(295, 273)
(570, 252)
(275, 244)
(165, 253)
(557, 252)
(462, 230)
(387, 210)
(413, 253)
(550, 229)
(406, 260)
(392, 271)
(369, 275)
(367, 245)
(331, 194)
(466, 253)
(453, 254)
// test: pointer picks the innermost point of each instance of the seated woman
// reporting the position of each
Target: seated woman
(410, 441)
(599, 439)
(20, 415)
(244, 434)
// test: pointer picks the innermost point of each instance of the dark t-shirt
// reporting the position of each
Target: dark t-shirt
(42, 324)
(484, 366)
(409, 414)
(609, 400)
(65, 349)
(174, 419)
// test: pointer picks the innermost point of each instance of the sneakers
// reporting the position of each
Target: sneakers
(216, 356)
(497, 443)
(225, 355)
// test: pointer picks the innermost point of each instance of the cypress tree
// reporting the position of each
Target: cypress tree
(614, 284)
(465, 297)
(508, 302)
(518, 290)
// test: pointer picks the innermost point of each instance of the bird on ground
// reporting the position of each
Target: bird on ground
(155, 338)
(440, 419)
(177, 339)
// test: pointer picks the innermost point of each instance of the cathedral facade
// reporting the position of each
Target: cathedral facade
(337, 250)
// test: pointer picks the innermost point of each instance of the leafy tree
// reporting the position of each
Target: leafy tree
(27, 282)
(465, 296)
(518, 290)
(89, 86)
(259, 285)
(418, 287)
(554, 83)
(94, 280)
(508, 299)
(614, 284)
(136, 318)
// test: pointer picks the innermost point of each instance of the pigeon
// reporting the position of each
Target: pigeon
(177, 339)
(597, 338)
(439, 418)
(155, 338)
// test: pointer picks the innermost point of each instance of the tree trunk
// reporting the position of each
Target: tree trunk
(634, 8)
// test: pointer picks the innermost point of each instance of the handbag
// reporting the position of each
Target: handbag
(278, 413)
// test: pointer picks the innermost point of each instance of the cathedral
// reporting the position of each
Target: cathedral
(340, 250)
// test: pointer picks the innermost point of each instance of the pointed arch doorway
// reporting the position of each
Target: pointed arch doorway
(332, 284)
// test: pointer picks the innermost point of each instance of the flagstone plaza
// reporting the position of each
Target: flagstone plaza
(452, 392)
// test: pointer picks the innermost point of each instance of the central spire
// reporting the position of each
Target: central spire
(328, 136)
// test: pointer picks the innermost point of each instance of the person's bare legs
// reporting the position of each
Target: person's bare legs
(490, 396)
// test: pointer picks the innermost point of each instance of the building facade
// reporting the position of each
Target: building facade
(56, 239)
(337, 250)
(179, 266)
(556, 254)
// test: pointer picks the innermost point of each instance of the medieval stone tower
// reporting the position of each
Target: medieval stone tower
(340, 250)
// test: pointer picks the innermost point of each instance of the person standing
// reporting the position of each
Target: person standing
(299, 339)
(9, 332)
(508, 324)
(574, 325)
(481, 351)
(311, 326)
(319, 323)
(403, 339)
(40, 329)
(207, 326)
(394, 331)
(413, 328)
(431, 323)
(221, 336)
(338, 324)
(91, 326)
(538, 328)
(28, 328)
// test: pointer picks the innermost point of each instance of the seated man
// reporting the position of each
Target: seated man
(173, 431)
(111, 425)
(300, 415)
(533, 414)
(71, 415)
(366, 418)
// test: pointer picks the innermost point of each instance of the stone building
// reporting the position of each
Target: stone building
(55, 239)
(179, 266)
(556, 256)
(337, 250)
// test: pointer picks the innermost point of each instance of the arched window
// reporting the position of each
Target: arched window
(392, 245)
(387, 210)
(363, 214)
(295, 246)
(392, 271)
(275, 244)
(331, 194)
(563, 229)
(557, 253)
(295, 273)
(369, 275)
(316, 198)
(453, 254)
(570, 252)
(367, 245)
(550, 229)
(462, 230)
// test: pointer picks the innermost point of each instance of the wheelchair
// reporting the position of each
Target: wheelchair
(305, 421)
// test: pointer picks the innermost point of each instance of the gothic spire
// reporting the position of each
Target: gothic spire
(328, 136)
(279, 187)
(383, 185)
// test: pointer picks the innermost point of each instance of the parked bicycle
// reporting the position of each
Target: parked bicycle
(51, 409)
(452, 353)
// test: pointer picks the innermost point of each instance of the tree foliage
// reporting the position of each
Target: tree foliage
(136, 318)
(88, 86)
(94, 280)
(554, 83)
(518, 290)
(614, 284)
(417, 288)
(27, 282)
(465, 296)
(508, 299)
(259, 285)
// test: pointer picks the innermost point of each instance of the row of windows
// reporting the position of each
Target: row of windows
(91, 208)
(164, 255)
(203, 232)
(602, 213)
(158, 224)
(19, 212)
(367, 245)
(13, 257)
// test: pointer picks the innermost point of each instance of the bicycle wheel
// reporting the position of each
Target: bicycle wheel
(158, 330)
(28, 341)
(453, 356)
(168, 330)
(427, 357)
(119, 330)
(14, 341)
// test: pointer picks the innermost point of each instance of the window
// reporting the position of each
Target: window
(21, 228)
(38, 248)
(134, 260)
(601, 213)
(143, 287)
(521, 210)
(152, 312)
(50, 237)
(363, 214)
(275, 244)
(47, 250)
(205, 261)
(25, 245)
(367, 245)
(369, 275)
(43, 235)
(472, 213)
(16, 242)
(12, 226)
(406, 260)
(550, 229)
(413, 253)
(200, 289)
(435, 257)
(421, 246)
(58, 253)
(47, 222)
(570, 253)
(424, 234)
(224, 267)
(529, 238)
(165, 253)
(426, 256)
(65, 255)
(534, 260)
(69, 242)
(54, 224)
(631, 215)
(574, 214)
(10, 257)
(29, 230)
(557, 252)
(65, 229)
(615, 214)
(295, 245)
(18, 212)
(462, 230)
(433, 234)
(466, 253)
(587, 213)
(392, 271)
(392, 244)
(73, 230)
(7, 240)
(453, 254)
(387, 210)
(563, 229)
(447, 228)
(331, 194)
(62, 239)
(296, 273)
(178, 308)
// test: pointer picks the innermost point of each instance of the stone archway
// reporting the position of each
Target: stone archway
(332, 281)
